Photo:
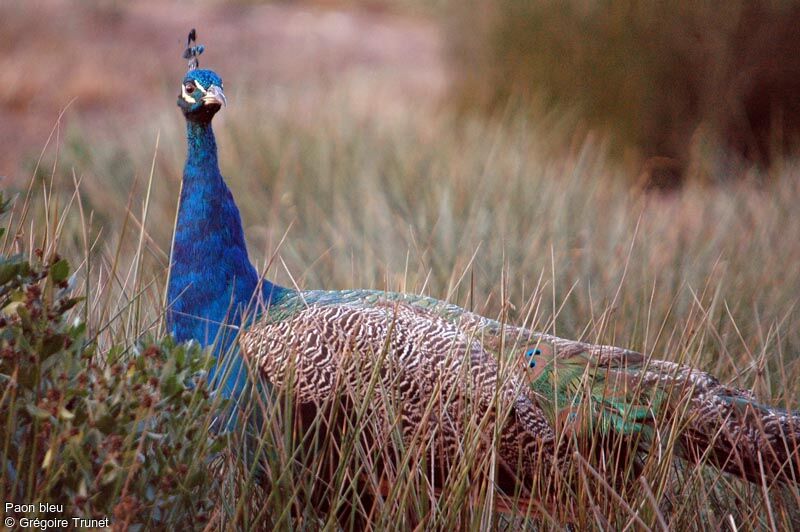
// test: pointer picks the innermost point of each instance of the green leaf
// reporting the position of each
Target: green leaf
(219, 444)
(168, 372)
(106, 423)
(51, 344)
(24, 317)
(77, 330)
(109, 477)
(11, 267)
(180, 357)
(59, 271)
(69, 303)
(195, 478)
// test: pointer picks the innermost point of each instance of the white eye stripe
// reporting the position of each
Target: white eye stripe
(197, 84)
(185, 95)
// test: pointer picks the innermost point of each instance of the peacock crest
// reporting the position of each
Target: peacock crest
(193, 50)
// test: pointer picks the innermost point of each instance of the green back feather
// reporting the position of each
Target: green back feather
(575, 388)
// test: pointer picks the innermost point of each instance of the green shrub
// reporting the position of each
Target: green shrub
(668, 78)
(117, 434)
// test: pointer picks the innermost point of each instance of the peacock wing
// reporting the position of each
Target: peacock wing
(419, 372)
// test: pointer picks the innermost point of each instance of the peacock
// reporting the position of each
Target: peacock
(424, 362)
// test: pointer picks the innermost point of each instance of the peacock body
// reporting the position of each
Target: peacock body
(425, 362)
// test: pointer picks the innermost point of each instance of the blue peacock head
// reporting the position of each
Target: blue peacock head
(201, 90)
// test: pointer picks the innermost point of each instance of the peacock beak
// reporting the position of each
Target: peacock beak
(215, 95)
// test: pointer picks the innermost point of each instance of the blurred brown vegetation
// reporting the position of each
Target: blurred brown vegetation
(114, 65)
(673, 80)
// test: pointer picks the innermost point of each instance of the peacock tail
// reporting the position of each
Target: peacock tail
(426, 351)
(633, 396)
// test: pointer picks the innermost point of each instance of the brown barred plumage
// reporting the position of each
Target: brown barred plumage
(429, 367)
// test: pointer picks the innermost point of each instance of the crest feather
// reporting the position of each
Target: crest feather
(193, 50)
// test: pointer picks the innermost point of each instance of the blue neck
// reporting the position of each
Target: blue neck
(212, 282)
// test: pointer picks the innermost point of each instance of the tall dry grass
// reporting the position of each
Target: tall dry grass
(494, 215)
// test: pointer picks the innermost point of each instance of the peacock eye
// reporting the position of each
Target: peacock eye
(189, 88)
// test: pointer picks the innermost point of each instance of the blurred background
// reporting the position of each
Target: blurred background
(116, 65)
(684, 90)
(624, 171)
